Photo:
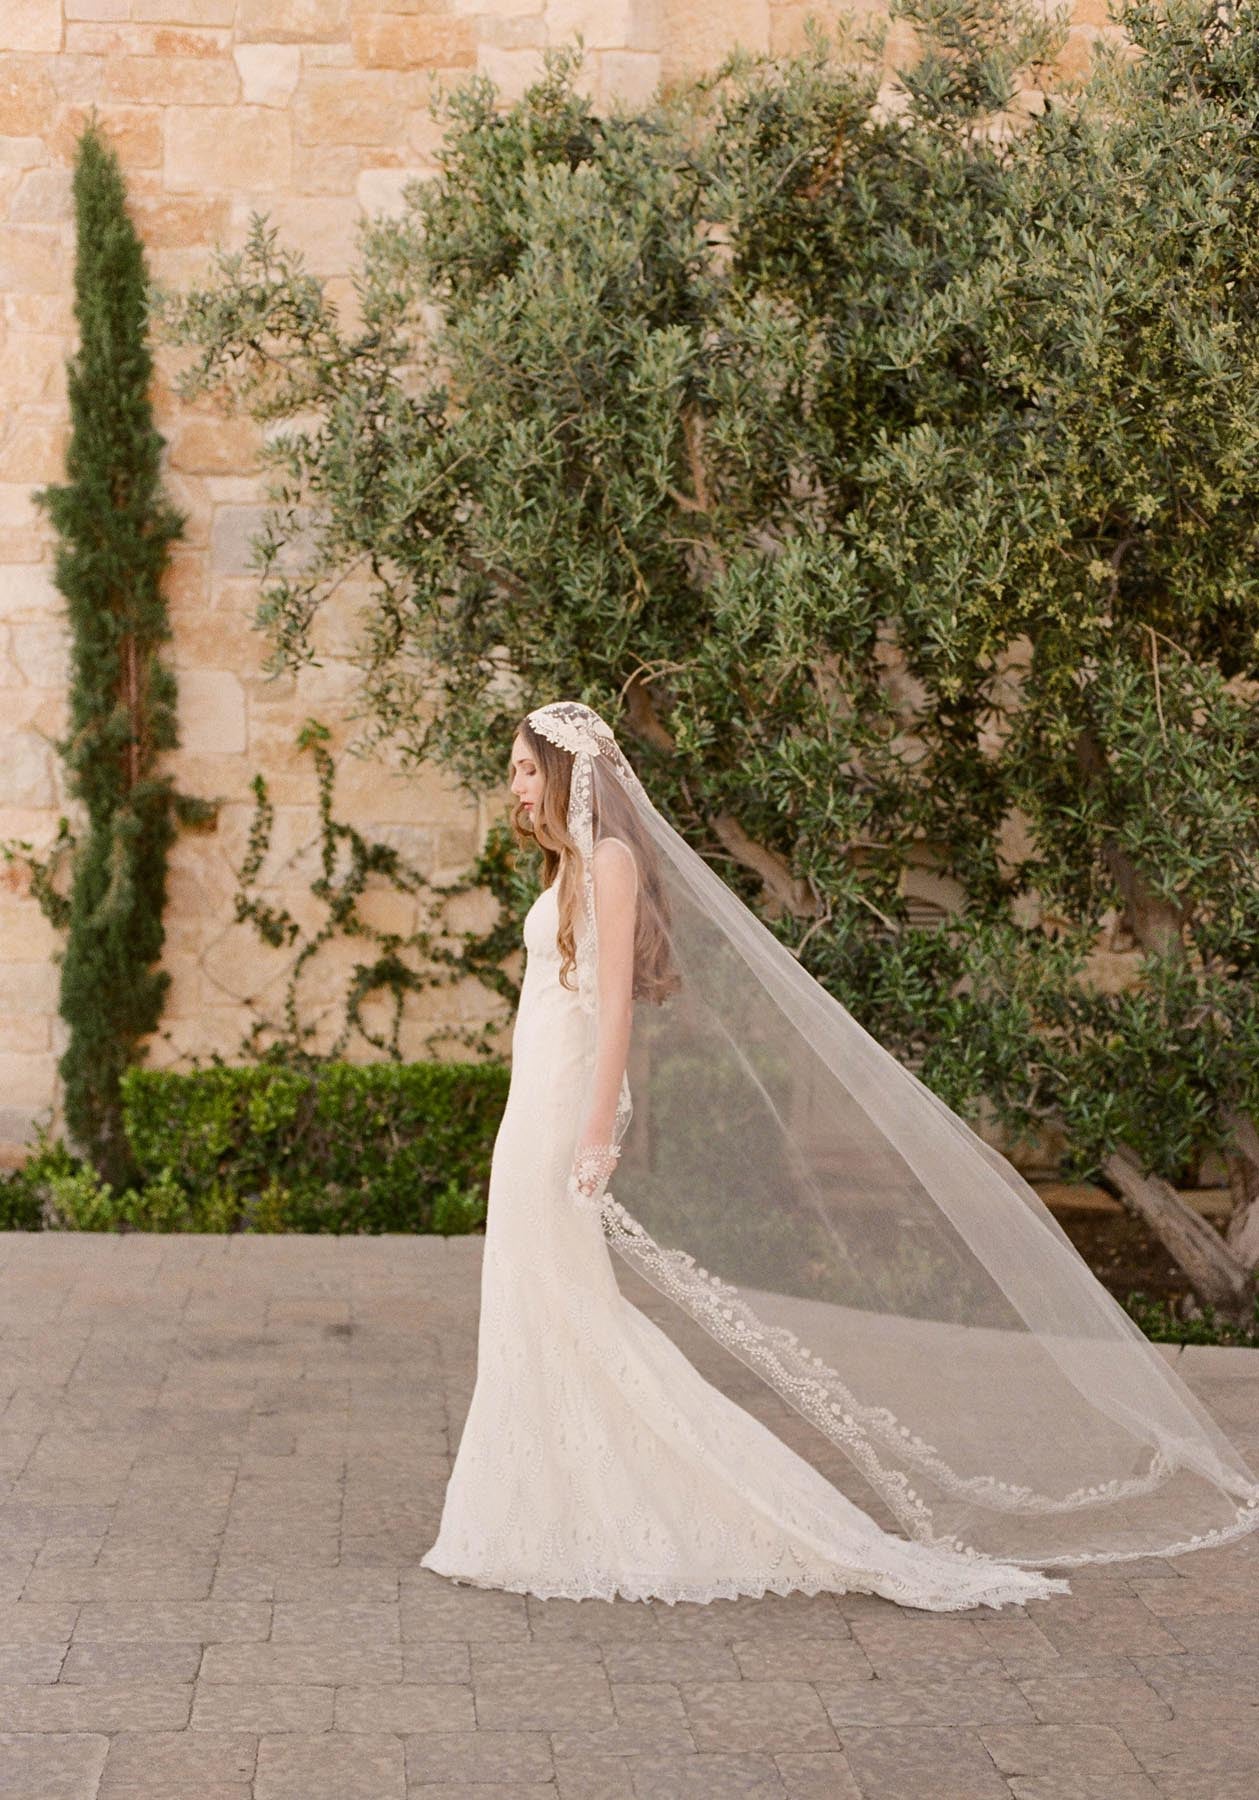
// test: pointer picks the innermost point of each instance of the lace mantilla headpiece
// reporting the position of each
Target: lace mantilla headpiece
(573, 726)
(578, 728)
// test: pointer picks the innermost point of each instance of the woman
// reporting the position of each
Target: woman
(803, 1197)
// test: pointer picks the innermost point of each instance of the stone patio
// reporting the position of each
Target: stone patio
(221, 1460)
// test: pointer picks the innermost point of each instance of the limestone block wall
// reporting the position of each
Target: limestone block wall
(313, 111)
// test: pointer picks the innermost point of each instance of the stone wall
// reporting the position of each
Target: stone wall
(313, 111)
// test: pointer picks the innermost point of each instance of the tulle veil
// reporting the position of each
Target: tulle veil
(811, 1204)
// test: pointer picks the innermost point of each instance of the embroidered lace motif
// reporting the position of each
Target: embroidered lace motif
(592, 1169)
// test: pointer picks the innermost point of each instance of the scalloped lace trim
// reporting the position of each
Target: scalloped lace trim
(819, 1395)
(1001, 1592)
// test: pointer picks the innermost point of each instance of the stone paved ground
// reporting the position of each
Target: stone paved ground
(220, 1462)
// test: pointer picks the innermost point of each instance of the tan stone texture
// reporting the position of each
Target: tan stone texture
(31, 25)
(344, 106)
(244, 148)
(293, 21)
(391, 40)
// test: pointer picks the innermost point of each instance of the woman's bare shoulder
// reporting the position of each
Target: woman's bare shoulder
(614, 860)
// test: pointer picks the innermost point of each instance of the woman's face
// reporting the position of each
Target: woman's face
(527, 780)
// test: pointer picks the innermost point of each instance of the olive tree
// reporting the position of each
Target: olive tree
(883, 464)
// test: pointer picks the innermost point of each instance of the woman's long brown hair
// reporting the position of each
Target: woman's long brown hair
(655, 977)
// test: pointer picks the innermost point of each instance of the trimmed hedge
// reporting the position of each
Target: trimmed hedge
(338, 1148)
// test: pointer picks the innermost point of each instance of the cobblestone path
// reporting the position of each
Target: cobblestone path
(220, 1462)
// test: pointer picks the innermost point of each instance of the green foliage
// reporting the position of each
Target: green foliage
(23, 1190)
(114, 530)
(46, 874)
(399, 964)
(886, 475)
(337, 1147)
(1163, 1326)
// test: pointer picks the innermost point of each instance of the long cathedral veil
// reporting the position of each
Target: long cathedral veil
(822, 1214)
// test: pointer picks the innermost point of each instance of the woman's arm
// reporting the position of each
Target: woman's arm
(616, 899)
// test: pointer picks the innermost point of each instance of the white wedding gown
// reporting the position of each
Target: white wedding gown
(595, 1459)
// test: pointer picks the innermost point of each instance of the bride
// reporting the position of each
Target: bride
(798, 1193)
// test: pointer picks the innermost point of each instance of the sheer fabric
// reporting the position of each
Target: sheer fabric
(748, 1147)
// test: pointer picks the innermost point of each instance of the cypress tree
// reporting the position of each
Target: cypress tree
(114, 529)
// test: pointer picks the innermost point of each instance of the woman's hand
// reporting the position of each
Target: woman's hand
(592, 1169)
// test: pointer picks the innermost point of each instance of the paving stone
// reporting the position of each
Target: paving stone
(333, 1621)
(1152, 1568)
(687, 1621)
(1094, 1697)
(537, 1696)
(946, 1763)
(670, 1661)
(603, 1621)
(979, 1696)
(262, 1709)
(171, 1660)
(332, 1767)
(14, 1575)
(23, 1663)
(404, 1706)
(153, 1621)
(1046, 1749)
(706, 1777)
(887, 1638)
(1204, 1684)
(801, 1659)
(301, 1665)
(69, 1553)
(756, 1715)
(1217, 1634)
(490, 1790)
(1192, 1598)
(244, 1578)
(771, 1615)
(30, 1622)
(117, 1706)
(658, 1741)
(355, 1586)
(176, 1765)
(436, 1662)
(278, 1545)
(534, 1656)
(594, 1778)
(1211, 1784)
(647, 1703)
(817, 1775)
(1067, 1784)
(1125, 1626)
(478, 1756)
(437, 1608)
(153, 1582)
(1017, 1643)
(51, 1765)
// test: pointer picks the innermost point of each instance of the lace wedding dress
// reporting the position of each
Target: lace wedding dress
(595, 1460)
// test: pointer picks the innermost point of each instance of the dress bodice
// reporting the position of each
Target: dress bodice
(550, 1032)
(540, 925)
